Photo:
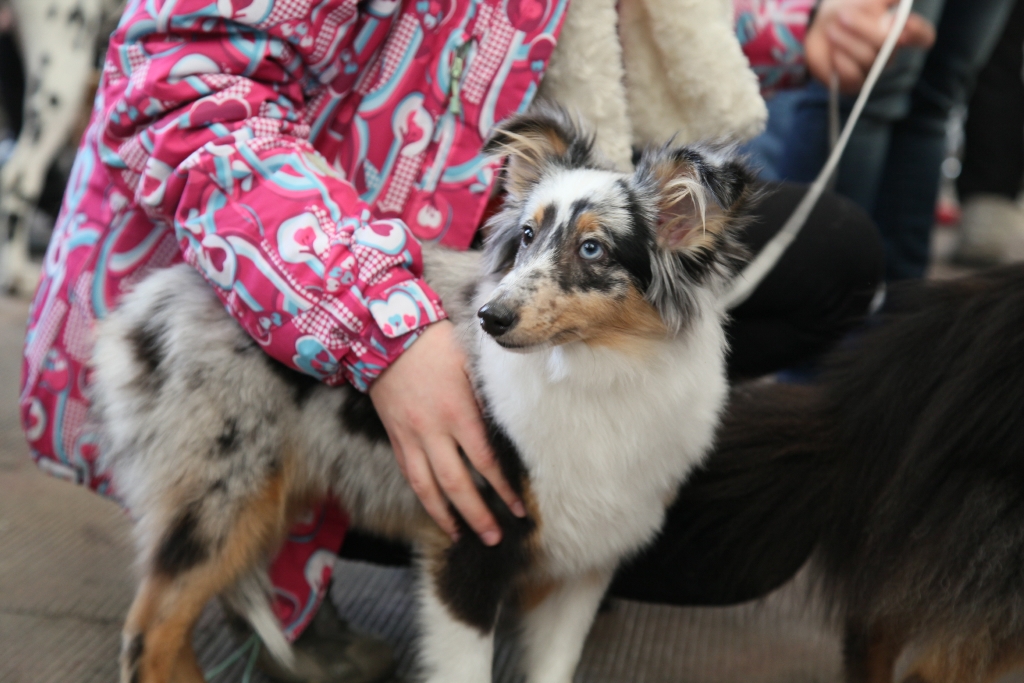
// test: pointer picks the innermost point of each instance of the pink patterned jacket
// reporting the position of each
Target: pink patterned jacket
(772, 35)
(293, 152)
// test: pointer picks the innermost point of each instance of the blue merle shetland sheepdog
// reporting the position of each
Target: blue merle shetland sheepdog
(594, 328)
(901, 476)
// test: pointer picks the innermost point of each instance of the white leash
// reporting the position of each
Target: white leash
(747, 281)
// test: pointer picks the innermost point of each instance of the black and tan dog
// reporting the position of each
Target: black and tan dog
(901, 476)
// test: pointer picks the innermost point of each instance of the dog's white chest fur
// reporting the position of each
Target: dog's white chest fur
(606, 436)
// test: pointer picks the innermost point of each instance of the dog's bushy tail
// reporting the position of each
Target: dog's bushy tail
(750, 516)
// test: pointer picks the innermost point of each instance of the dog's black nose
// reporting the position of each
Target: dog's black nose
(496, 320)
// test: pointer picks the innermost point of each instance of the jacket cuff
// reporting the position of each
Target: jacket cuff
(399, 315)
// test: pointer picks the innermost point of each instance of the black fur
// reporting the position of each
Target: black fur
(475, 579)
(227, 442)
(77, 16)
(12, 82)
(150, 353)
(927, 513)
(132, 655)
(634, 252)
(366, 547)
(358, 415)
(148, 348)
(904, 470)
(301, 384)
(506, 256)
(547, 219)
(183, 548)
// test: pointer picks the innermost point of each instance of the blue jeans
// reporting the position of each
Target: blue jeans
(891, 167)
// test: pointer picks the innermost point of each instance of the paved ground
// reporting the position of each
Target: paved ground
(64, 556)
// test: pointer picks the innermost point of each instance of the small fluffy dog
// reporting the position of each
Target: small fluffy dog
(901, 476)
(595, 335)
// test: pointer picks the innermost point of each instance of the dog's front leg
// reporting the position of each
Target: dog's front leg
(451, 650)
(556, 626)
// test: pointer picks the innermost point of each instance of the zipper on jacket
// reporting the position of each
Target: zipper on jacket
(456, 73)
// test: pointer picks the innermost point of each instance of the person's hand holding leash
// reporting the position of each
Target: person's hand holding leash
(846, 35)
(427, 405)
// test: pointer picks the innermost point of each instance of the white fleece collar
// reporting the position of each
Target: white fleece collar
(642, 71)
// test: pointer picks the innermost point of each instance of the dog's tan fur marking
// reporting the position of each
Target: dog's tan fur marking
(587, 223)
(689, 219)
(432, 548)
(621, 321)
(166, 609)
(871, 657)
(433, 543)
(533, 512)
(1009, 658)
(526, 156)
(963, 658)
(882, 653)
(632, 322)
(538, 215)
(533, 593)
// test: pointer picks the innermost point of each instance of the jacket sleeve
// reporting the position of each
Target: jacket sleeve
(208, 109)
(772, 34)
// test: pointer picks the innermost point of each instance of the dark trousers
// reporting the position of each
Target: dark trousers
(994, 133)
(819, 290)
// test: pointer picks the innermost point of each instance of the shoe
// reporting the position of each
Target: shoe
(328, 651)
(991, 232)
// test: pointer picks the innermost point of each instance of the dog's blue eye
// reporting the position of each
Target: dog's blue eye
(591, 249)
(527, 235)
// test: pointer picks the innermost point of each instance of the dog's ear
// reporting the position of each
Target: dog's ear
(537, 141)
(699, 195)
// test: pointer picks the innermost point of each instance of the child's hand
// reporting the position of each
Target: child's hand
(847, 35)
(427, 405)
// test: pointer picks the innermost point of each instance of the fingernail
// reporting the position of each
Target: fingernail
(518, 509)
(491, 537)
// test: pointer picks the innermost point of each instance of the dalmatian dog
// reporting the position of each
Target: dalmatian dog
(58, 40)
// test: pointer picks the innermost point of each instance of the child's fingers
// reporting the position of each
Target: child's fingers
(861, 51)
(453, 477)
(471, 436)
(850, 74)
(418, 472)
(919, 32)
